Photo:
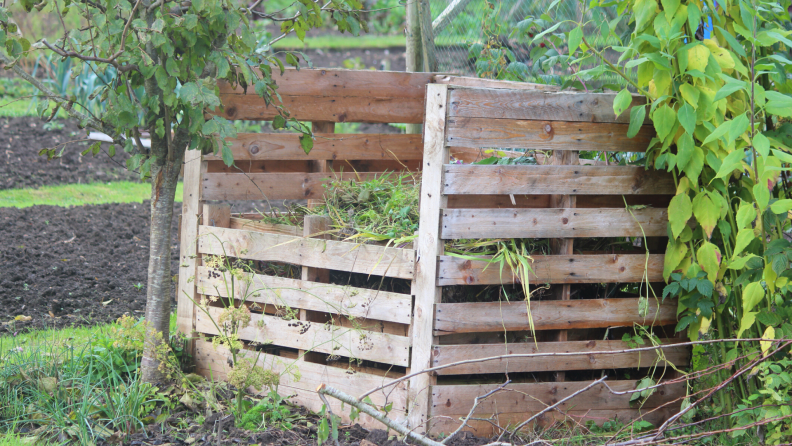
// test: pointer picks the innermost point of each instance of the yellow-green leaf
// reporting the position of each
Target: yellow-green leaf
(769, 334)
(744, 238)
(752, 295)
(739, 263)
(694, 166)
(679, 212)
(707, 212)
(746, 322)
(675, 254)
(698, 56)
(690, 94)
(781, 206)
(709, 257)
(664, 119)
(746, 214)
(622, 102)
(762, 195)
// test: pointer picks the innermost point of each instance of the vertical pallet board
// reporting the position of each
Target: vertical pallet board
(560, 200)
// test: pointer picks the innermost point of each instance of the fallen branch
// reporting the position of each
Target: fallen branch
(476, 402)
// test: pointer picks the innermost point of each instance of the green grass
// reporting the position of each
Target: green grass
(80, 194)
(340, 42)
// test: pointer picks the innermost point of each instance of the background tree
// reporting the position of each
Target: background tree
(165, 59)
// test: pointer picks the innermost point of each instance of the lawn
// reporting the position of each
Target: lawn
(80, 194)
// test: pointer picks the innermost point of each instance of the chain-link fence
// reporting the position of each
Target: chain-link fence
(493, 39)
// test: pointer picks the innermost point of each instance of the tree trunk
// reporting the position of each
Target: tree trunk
(164, 179)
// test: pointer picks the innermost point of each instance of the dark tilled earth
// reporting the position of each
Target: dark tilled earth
(75, 266)
(21, 166)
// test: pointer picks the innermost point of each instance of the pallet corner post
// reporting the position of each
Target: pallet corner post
(428, 247)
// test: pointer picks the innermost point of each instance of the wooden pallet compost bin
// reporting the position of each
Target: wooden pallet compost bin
(395, 333)
(565, 202)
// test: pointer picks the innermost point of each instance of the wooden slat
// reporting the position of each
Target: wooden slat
(572, 180)
(324, 108)
(340, 256)
(483, 317)
(336, 83)
(545, 135)
(536, 105)
(453, 400)
(475, 82)
(601, 268)
(448, 354)
(300, 381)
(553, 223)
(327, 146)
(485, 429)
(274, 186)
(258, 226)
(292, 293)
(543, 201)
(188, 261)
(316, 337)
(426, 291)
(267, 166)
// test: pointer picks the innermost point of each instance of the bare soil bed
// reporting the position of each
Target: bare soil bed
(75, 266)
(21, 166)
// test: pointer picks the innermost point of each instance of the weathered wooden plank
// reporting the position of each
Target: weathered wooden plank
(337, 82)
(599, 268)
(543, 201)
(340, 256)
(483, 317)
(316, 337)
(292, 293)
(299, 381)
(448, 354)
(274, 186)
(258, 226)
(567, 180)
(475, 82)
(426, 291)
(324, 108)
(327, 146)
(453, 400)
(553, 223)
(188, 261)
(486, 429)
(545, 135)
(536, 105)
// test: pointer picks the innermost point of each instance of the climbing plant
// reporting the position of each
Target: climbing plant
(716, 78)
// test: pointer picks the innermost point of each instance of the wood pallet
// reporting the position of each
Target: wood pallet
(394, 333)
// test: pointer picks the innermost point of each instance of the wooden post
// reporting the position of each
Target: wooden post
(428, 247)
(414, 57)
(428, 56)
(314, 224)
(562, 246)
(217, 215)
(194, 167)
(321, 165)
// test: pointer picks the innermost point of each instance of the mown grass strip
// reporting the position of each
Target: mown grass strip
(79, 194)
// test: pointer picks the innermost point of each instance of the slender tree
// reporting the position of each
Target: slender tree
(165, 58)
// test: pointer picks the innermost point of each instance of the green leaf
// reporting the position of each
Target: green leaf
(278, 122)
(746, 214)
(709, 257)
(733, 43)
(690, 94)
(706, 212)
(728, 88)
(622, 102)
(746, 322)
(670, 8)
(744, 238)
(645, 10)
(694, 17)
(694, 166)
(687, 117)
(739, 262)
(738, 126)
(761, 144)
(674, 255)
(778, 104)
(698, 57)
(752, 295)
(679, 212)
(731, 163)
(198, 95)
(575, 37)
(637, 117)
(762, 196)
(719, 132)
(228, 155)
(306, 142)
(172, 67)
(781, 206)
(664, 119)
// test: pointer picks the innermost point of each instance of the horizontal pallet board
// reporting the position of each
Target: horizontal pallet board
(552, 223)
(535, 105)
(476, 82)
(484, 317)
(450, 400)
(448, 354)
(599, 268)
(543, 201)
(545, 135)
(316, 253)
(273, 186)
(567, 180)
(292, 293)
(258, 226)
(327, 82)
(317, 337)
(311, 375)
(484, 428)
(327, 146)
(250, 107)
